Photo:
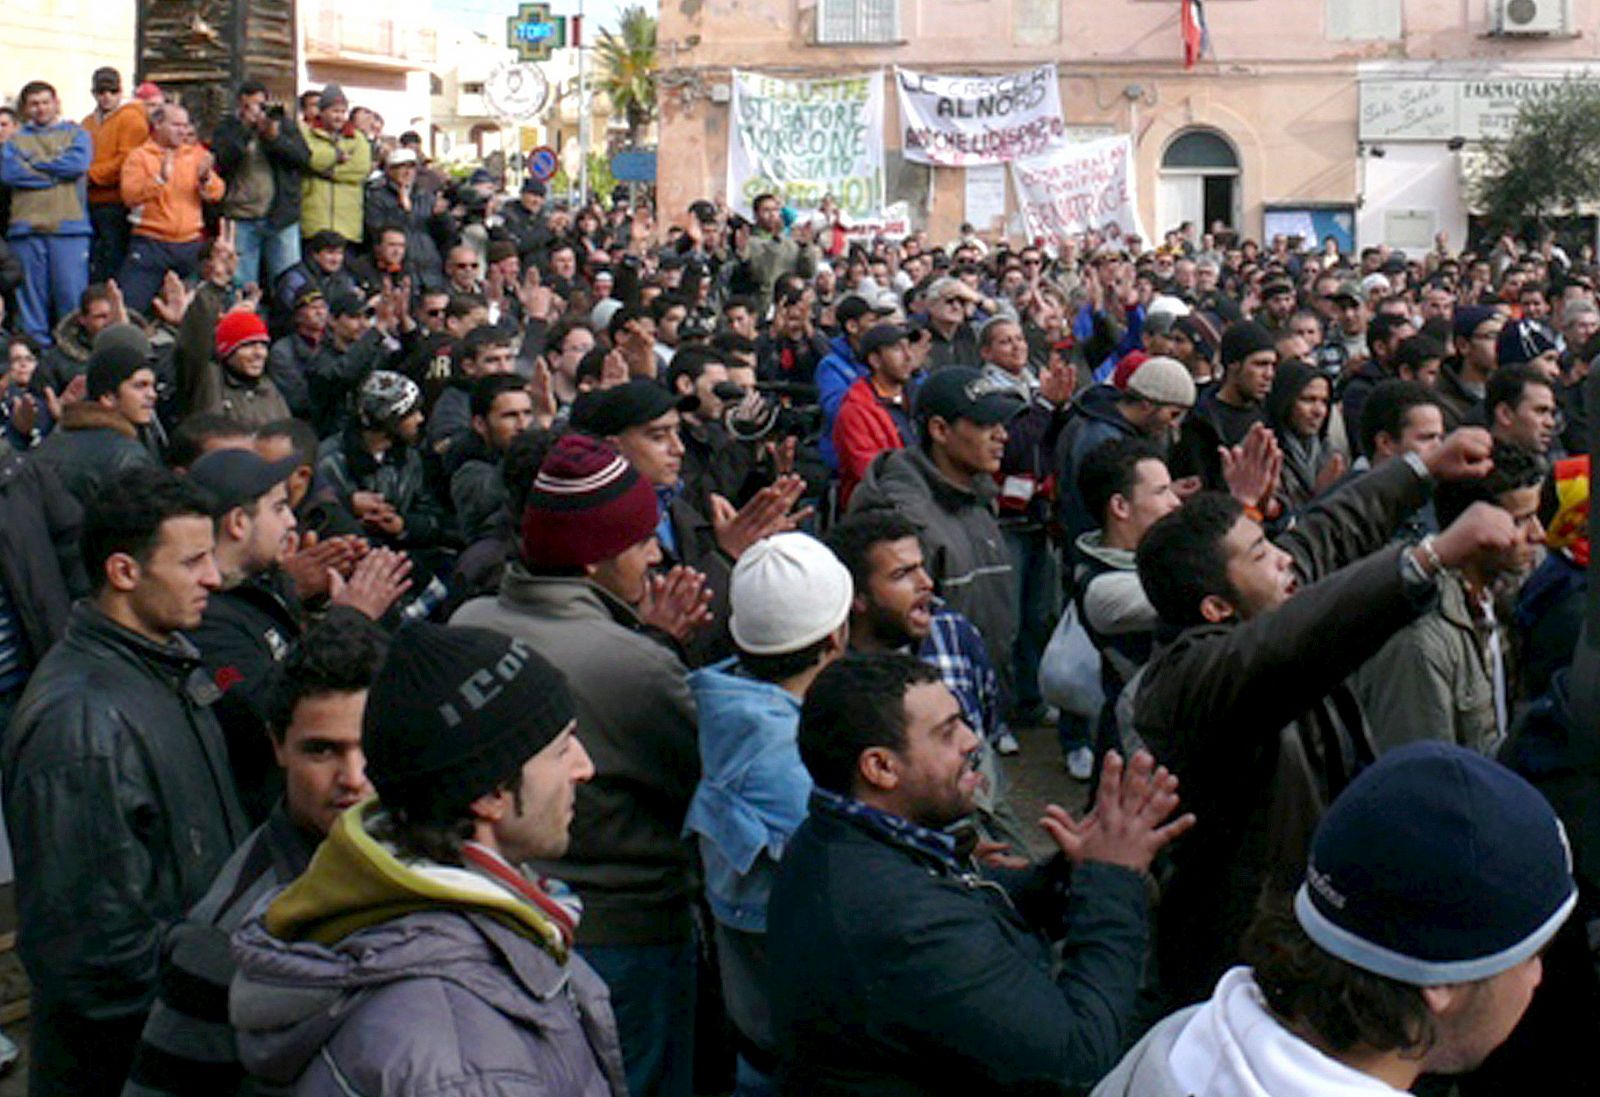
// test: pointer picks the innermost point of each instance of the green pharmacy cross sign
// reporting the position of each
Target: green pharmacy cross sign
(533, 32)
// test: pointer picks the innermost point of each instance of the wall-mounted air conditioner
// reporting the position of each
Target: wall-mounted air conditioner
(1530, 17)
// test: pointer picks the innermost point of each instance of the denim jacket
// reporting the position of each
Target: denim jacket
(752, 792)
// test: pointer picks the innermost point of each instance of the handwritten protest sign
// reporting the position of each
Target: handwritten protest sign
(956, 121)
(805, 139)
(1077, 188)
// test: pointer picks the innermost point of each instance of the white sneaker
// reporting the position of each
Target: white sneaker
(9, 1053)
(1007, 744)
(1080, 763)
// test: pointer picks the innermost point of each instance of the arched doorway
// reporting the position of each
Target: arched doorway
(1199, 181)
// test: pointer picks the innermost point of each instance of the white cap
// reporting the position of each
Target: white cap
(402, 156)
(600, 316)
(788, 591)
(1375, 282)
(1172, 306)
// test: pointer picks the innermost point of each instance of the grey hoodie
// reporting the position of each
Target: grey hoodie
(442, 1001)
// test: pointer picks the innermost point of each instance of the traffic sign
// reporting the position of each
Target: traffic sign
(542, 163)
(533, 32)
(634, 166)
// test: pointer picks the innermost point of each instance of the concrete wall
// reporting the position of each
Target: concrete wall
(1281, 84)
(63, 41)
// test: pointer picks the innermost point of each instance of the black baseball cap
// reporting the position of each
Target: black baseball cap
(347, 304)
(236, 477)
(106, 79)
(531, 185)
(882, 335)
(961, 392)
(855, 306)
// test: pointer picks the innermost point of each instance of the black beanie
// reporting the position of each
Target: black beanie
(120, 351)
(1244, 339)
(454, 711)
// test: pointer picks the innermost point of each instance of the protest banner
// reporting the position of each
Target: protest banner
(956, 121)
(893, 222)
(1078, 187)
(805, 139)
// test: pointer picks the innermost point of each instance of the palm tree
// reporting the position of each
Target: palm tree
(627, 60)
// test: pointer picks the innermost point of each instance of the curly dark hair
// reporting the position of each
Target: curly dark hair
(1346, 1007)
(340, 654)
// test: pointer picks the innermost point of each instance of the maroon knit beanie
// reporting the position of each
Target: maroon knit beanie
(587, 504)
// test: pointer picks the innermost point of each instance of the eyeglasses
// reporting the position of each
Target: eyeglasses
(433, 312)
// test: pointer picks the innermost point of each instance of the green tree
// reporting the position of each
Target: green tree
(627, 60)
(1550, 163)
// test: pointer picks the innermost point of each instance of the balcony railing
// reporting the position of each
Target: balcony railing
(350, 36)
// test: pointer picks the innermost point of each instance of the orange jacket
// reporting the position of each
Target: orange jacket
(126, 129)
(168, 209)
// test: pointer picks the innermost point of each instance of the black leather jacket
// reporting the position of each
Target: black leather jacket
(120, 807)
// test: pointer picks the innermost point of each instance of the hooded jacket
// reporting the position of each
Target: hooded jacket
(333, 193)
(628, 858)
(381, 976)
(967, 557)
(1095, 420)
(836, 373)
(753, 789)
(120, 807)
(1256, 719)
(91, 445)
(1303, 458)
(1231, 1046)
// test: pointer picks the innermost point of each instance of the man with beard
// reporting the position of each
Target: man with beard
(1248, 701)
(946, 486)
(1224, 413)
(896, 966)
(894, 609)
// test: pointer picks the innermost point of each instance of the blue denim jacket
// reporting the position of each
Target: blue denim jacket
(752, 792)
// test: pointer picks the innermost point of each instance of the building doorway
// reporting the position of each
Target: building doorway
(1199, 182)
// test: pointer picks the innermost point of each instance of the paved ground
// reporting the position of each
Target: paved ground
(1037, 777)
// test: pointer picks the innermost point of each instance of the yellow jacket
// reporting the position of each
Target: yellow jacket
(333, 194)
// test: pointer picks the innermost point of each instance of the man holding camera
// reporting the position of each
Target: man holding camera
(261, 158)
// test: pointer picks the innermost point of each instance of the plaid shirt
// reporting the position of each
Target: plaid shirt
(956, 650)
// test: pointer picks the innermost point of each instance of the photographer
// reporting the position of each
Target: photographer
(261, 158)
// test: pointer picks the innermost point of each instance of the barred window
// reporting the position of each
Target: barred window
(857, 22)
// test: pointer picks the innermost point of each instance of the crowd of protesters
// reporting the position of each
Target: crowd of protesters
(460, 641)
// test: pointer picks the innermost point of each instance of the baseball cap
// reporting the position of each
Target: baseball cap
(235, 477)
(882, 335)
(106, 79)
(962, 392)
(402, 156)
(1349, 289)
(854, 306)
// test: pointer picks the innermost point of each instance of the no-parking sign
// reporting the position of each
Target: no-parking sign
(542, 163)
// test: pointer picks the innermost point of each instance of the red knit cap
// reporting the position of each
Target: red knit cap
(238, 329)
(587, 504)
